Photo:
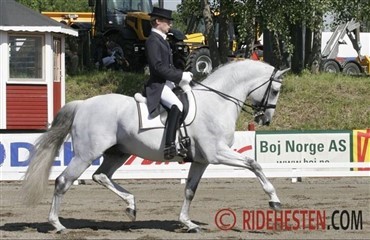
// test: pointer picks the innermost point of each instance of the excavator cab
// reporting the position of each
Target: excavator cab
(116, 15)
(127, 23)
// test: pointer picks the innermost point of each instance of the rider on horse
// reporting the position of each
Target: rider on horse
(164, 77)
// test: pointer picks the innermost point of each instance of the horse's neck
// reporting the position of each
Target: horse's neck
(235, 80)
(231, 81)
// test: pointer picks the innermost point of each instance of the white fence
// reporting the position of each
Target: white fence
(281, 154)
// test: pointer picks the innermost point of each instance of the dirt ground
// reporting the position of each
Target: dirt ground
(90, 211)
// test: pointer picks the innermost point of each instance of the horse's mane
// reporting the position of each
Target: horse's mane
(220, 66)
(230, 72)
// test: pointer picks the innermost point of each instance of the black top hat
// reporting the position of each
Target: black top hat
(162, 13)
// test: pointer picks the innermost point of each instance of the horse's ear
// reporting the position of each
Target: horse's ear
(279, 73)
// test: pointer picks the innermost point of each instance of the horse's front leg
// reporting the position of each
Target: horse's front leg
(229, 157)
(195, 174)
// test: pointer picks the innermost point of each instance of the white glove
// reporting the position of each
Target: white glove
(187, 77)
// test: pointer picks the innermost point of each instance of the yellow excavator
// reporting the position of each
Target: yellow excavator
(126, 24)
(199, 60)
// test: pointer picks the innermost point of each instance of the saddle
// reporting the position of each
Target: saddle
(148, 122)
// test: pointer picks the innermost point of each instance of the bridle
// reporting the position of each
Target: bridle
(259, 108)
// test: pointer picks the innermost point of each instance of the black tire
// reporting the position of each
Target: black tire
(199, 62)
(352, 68)
(330, 66)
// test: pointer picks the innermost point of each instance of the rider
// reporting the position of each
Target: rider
(164, 77)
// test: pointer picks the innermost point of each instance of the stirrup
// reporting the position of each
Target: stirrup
(171, 151)
(185, 142)
(182, 152)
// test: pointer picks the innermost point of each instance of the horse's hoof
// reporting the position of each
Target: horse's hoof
(62, 231)
(131, 213)
(275, 205)
(195, 230)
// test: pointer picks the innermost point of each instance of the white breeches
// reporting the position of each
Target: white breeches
(168, 98)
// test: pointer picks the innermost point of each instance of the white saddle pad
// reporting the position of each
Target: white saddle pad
(147, 122)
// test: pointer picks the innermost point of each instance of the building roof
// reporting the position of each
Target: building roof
(17, 17)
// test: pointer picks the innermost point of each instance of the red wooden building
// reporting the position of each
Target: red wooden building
(32, 67)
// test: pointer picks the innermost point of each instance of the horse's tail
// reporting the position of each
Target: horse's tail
(44, 152)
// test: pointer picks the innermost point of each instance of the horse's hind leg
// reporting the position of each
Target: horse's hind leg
(103, 175)
(62, 184)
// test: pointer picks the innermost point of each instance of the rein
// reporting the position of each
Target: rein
(260, 108)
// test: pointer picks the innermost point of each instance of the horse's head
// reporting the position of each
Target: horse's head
(264, 97)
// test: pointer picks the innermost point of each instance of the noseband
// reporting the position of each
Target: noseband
(263, 105)
(258, 108)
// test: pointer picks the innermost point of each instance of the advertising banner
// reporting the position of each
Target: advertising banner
(280, 153)
(300, 148)
(361, 147)
(16, 147)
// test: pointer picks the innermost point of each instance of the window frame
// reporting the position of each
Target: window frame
(29, 80)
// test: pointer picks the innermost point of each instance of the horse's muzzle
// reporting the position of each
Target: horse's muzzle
(261, 119)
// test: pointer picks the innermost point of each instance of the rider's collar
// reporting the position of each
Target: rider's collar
(160, 33)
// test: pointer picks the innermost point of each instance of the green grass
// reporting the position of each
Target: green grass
(307, 102)
(94, 83)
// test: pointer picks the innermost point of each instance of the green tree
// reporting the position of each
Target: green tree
(57, 5)
(280, 16)
(216, 32)
(285, 21)
(247, 24)
(210, 33)
(344, 11)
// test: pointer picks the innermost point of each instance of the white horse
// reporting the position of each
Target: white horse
(107, 125)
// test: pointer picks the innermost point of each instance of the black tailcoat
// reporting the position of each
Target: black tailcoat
(159, 56)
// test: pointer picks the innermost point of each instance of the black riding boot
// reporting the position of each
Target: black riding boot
(172, 124)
